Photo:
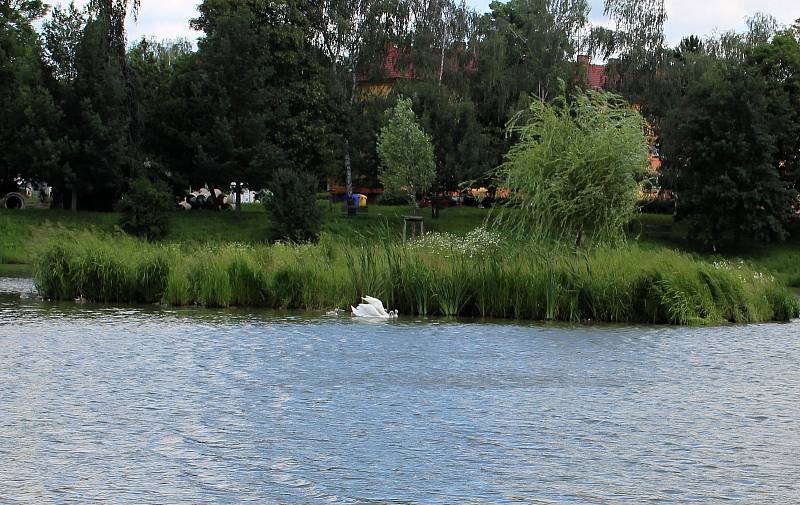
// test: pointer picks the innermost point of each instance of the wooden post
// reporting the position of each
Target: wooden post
(238, 198)
(417, 223)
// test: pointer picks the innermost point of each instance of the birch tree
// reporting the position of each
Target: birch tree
(353, 35)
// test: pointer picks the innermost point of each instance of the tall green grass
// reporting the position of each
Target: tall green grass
(521, 281)
(13, 239)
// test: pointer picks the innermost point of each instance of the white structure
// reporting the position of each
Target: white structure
(247, 195)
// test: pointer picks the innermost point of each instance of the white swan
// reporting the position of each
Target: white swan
(373, 308)
(375, 303)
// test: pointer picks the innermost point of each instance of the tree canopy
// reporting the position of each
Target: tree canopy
(302, 85)
(28, 133)
(732, 162)
(406, 154)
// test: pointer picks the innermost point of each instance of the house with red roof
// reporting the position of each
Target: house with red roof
(390, 71)
(595, 75)
(396, 66)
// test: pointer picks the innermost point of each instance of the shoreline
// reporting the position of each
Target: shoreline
(16, 270)
(238, 313)
(514, 282)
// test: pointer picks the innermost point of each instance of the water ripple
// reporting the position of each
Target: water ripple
(150, 405)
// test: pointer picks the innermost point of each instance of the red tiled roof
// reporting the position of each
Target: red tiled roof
(390, 67)
(393, 68)
(596, 76)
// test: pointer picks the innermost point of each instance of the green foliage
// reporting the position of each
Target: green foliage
(99, 151)
(721, 155)
(364, 127)
(28, 135)
(462, 150)
(62, 35)
(29, 230)
(88, 115)
(154, 68)
(575, 169)
(145, 209)
(637, 41)
(406, 154)
(99, 269)
(293, 206)
(783, 261)
(274, 113)
(522, 281)
(526, 47)
(779, 64)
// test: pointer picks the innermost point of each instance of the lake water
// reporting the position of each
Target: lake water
(148, 405)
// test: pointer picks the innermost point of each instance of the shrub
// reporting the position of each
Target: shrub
(657, 206)
(145, 209)
(293, 206)
(392, 199)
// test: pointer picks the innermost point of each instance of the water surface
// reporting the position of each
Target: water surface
(149, 405)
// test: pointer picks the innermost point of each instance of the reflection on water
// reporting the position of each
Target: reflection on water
(150, 405)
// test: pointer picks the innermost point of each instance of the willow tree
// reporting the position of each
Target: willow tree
(575, 169)
(114, 13)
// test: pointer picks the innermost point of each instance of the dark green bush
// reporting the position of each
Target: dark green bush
(657, 206)
(293, 206)
(145, 209)
(390, 199)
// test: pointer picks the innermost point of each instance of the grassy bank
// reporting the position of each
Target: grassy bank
(478, 276)
(782, 260)
(21, 232)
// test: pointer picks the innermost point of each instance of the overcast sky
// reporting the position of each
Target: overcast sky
(170, 18)
(702, 17)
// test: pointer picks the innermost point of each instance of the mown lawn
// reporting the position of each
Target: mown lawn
(21, 231)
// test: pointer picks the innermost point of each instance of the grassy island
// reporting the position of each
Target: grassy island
(475, 275)
(219, 260)
(280, 101)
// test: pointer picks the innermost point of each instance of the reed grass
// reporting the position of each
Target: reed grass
(522, 281)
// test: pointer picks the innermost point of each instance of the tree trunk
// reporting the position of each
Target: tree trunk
(355, 85)
(348, 171)
(238, 199)
(348, 168)
(441, 63)
(73, 206)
